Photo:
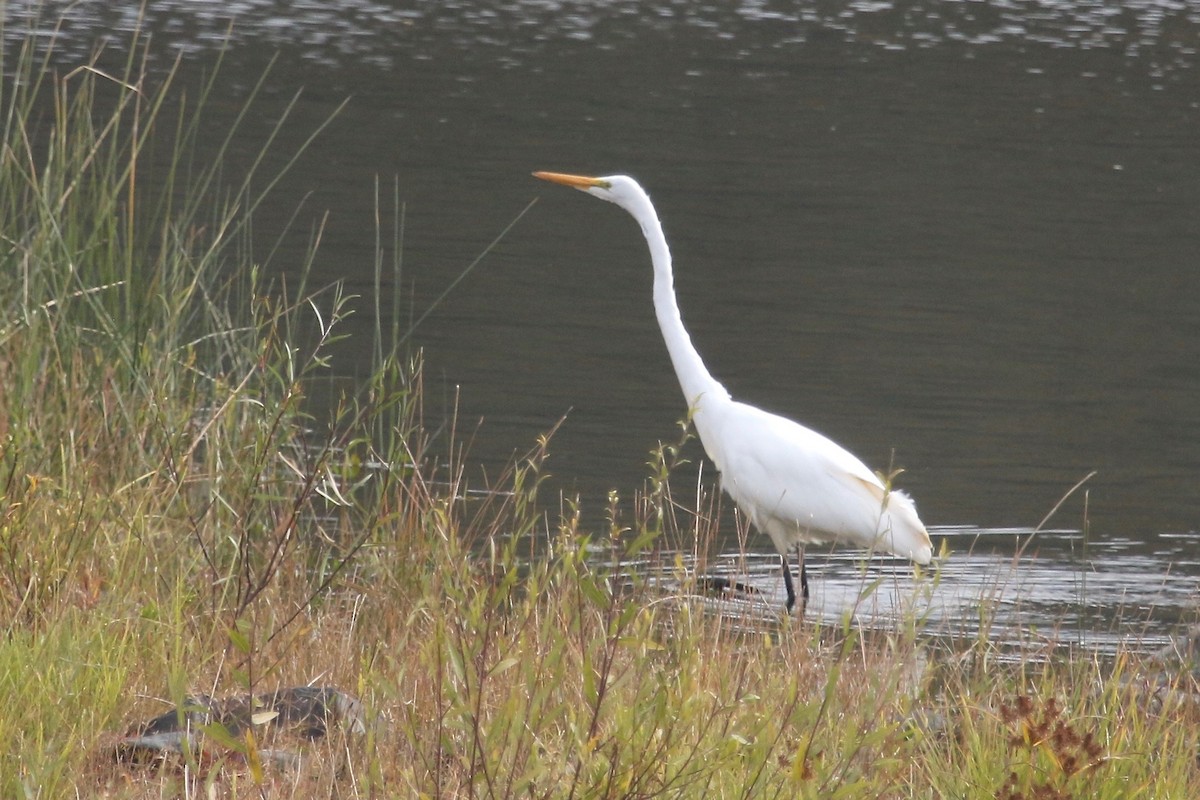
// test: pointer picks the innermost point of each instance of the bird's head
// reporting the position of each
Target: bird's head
(620, 189)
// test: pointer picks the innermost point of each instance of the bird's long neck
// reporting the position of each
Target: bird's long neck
(694, 377)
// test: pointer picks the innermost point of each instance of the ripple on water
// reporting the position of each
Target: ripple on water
(1026, 595)
(1161, 34)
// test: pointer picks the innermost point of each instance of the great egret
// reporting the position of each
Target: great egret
(794, 484)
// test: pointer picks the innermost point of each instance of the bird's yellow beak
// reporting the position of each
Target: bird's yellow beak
(581, 182)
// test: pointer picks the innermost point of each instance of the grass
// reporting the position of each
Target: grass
(174, 520)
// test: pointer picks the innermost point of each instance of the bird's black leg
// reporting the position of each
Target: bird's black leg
(787, 583)
(791, 587)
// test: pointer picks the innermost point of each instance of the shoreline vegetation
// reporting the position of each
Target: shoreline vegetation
(174, 522)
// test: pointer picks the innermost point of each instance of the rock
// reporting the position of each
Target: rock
(296, 715)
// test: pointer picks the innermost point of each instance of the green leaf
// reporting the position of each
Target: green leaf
(221, 735)
(239, 637)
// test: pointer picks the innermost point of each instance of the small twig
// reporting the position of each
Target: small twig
(51, 304)
(1053, 511)
(467, 271)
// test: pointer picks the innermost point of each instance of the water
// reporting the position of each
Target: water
(962, 238)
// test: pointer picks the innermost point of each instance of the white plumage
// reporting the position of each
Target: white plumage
(796, 485)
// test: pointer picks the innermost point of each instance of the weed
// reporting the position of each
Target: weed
(1052, 758)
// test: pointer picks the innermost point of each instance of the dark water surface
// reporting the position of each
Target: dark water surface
(966, 234)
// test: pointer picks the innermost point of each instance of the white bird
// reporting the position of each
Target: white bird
(792, 482)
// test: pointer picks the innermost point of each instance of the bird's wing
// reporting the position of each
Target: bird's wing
(787, 476)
